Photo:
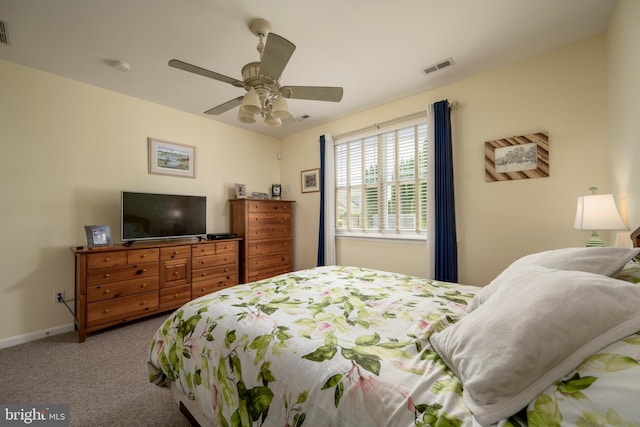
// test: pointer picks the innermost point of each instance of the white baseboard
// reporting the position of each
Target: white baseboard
(21, 339)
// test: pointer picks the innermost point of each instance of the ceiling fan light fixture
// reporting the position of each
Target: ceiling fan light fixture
(272, 121)
(245, 117)
(251, 102)
(279, 108)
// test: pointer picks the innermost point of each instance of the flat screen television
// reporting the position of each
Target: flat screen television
(147, 216)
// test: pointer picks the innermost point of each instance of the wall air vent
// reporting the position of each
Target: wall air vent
(4, 33)
(439, 66)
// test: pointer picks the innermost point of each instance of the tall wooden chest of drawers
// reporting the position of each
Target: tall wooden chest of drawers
(118, 284)
(266, 229)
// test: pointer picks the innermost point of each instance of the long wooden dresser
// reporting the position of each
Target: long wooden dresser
(118, 284)
(266, 229)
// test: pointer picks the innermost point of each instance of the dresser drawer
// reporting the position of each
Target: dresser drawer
(260, 219)
(199, 289)
(281, 260)
(174, 297)
(213, 272)
(213, 260)
(266, 272)
(137, 256)
(175, 273)
(106, 259)
(226, 247)
(269, 232)
(203, 249)
(108, 291)
(268, 206)
(175, 252)
(117, 274)
(121, 308)
(263, 247)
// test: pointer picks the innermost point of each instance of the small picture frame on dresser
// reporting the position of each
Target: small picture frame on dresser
(98, 236)
(241, 191)
(276, 192)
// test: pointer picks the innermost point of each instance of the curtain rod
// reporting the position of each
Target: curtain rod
(389, 122)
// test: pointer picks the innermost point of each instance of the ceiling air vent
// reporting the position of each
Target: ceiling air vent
(439, 66)
(4, 33)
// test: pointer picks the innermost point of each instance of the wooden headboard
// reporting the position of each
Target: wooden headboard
(635, 237)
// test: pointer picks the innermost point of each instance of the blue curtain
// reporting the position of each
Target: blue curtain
(446, 250)
(321, 231)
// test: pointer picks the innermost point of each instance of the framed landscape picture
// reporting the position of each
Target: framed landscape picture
(310, 180)
(168, 158)
(518, 157)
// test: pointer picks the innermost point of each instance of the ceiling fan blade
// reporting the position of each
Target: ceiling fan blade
(222, 108)
(316, 93)
(277, 52)
(180, 65)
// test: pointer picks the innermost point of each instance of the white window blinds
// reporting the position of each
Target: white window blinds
(381, 182)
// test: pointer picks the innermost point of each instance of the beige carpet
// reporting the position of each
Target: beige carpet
(104, 379)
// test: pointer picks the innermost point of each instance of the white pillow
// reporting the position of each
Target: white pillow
(600, 260)
(538, 326)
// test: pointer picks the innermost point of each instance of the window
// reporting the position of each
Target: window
(381, 183)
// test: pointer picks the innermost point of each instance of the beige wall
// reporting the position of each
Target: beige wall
(624, 109)
(68, 149)
(562, 92)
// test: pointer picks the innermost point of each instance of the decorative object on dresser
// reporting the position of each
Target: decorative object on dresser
(276, 191)
(241, 191)
(266, 227)
(119, 284)
(98, 235)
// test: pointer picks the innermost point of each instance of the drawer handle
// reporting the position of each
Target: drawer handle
(203, 289)
(143, 285)
(106, 291)
(176, 295)
(203, 274)
(143, 303)
(107, 275)
(143, 256)
(175, 273)
(106, 311)
(226, 270)
(141, 271)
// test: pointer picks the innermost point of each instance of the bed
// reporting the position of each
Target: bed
(553, 340)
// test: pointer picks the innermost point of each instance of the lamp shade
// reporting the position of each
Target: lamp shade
(251, 102)
(245, 117)
(272, 121)
(598, 212)
(280, 109)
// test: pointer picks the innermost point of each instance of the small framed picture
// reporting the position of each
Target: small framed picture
(276, 191)
(310, 180)
(98, 235)
(241, 191)
(168, 158)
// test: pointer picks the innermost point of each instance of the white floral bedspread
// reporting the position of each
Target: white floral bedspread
(331, 346)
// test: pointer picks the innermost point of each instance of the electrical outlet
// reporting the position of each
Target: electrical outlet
(58, 296)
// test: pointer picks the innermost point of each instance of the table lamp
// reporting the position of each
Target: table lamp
(597, 212)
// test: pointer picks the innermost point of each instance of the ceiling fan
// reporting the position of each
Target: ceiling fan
(265, 96)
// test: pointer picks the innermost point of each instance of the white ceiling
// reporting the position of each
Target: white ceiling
(375, 49)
